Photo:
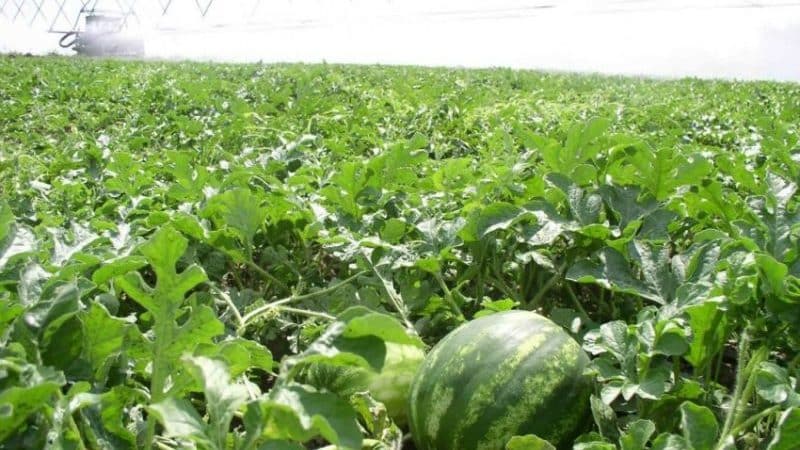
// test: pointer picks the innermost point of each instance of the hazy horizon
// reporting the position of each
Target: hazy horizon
(705, 38)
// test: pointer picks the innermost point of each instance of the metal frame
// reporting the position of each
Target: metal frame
(33, 11)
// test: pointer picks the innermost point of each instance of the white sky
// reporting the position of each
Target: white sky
(756, 39)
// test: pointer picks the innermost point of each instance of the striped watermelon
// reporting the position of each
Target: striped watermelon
(510, 373)
(389, 386)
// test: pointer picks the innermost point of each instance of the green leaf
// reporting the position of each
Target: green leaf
(16, 241)
(654, 384)
(773, 384)
(170, 340)
(200, 328)
(104, 336)
(581, 135)
(6, 220)
(671, 340)
(137, 289)
(713, 199)
(63, 435)
(709, 328)
(662, 170)
(637, 435)
(239, 354)
(265, 419)
(54, 308)
(237, 209)
(114, 268)
(612, 337)
(595, 445)
(223, 398)
(315, 413)
(189, 225)
(18, 403)
(604, 418)
(494, 217)
(528, 442)
(612, 271)
(578, 148)
(654, 261)
(8, 313)
(67, 243)
(584, 174)
(667, 441)
(348, 182)
(19, 241)
(430, 265)
(774, 272)
(181, 420)
(584, 206)
(280, 445)
(699, 426)
(774, 222)
(357, 338)
(626, 203)
(332, 348)
(393, 230)
(163, 251)
(361, 322)
(787, 434)
(495, 306)
(110, 418)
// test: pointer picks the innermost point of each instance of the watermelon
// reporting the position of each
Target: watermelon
(389, 386)
(510, 373)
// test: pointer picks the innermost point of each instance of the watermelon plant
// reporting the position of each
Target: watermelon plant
(223, 256)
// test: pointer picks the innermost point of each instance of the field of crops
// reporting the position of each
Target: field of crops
(210, 256)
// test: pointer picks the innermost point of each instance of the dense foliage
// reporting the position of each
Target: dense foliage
(181, 243)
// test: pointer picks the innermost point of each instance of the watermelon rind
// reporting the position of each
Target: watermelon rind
(510, 373)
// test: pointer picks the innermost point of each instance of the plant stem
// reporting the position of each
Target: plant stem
(236, 278)
(676, 369)
(448, 296)
(755, 360)
(744, 348)
(10, 365)
(71, 424)
(718, 366)
(603, 297)
(501, 284)
(753, 420)
(164, 328)
(793, 364)
(706, 378)
(744, 343)
(163, 446)
(528, 276)
(225, 297)
(306, 312)
(251, 264)
(546, 287)
(397, 301)
(577, 302)
(256, 313)
(460, 285)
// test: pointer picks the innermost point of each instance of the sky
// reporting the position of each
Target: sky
(755, 39)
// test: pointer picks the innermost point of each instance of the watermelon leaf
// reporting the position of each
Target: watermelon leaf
(528, 442)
